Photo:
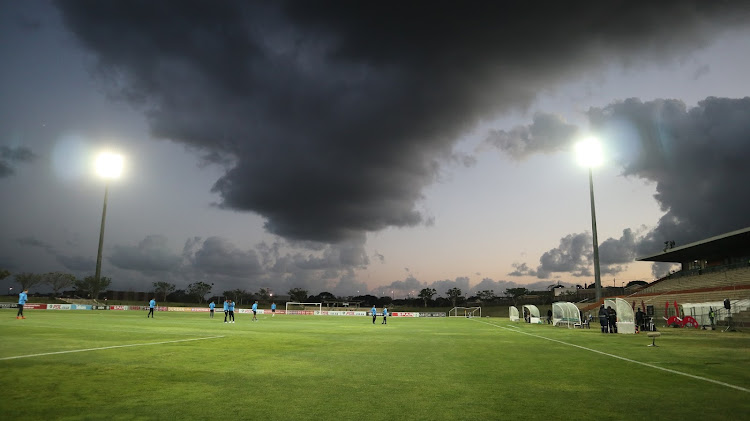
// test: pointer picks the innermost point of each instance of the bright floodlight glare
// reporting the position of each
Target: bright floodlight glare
(109, 165)
(589, 152)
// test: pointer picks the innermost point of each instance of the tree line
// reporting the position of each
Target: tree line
(89, 287)
(59, 281)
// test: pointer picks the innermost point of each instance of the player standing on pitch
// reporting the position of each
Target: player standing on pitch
(374, 312)
(273, 309)
(231, 311)
(151, 305)
(226, 310)
(22, 297)
(255, 311)
(211, 308)
(385, 316)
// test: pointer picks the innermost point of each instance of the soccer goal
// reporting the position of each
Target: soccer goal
(303, 308)
(467, 312)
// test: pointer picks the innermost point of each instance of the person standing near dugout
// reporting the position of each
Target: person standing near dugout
(22, 298)
(612, 317)
(603, 318)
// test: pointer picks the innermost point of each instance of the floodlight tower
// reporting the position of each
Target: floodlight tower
(589, 153)
(108, 166)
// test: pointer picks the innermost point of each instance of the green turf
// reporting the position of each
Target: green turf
(326, 367)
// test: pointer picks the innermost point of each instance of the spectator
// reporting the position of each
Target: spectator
(640, 319)
(612, 318)
(603, 319)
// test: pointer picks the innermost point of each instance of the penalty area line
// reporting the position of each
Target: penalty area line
(108, 347)
(668, 370)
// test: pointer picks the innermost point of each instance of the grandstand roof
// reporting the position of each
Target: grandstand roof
(719, 246)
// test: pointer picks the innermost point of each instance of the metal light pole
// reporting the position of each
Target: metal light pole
(108, 166)
(597, 272)
(98, 272)
(590, 155)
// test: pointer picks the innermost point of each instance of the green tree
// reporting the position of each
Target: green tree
(237, 295)
(164, 289)
(486, 296)
(515, 294)
(199, 290)
(297, 294)
(28, 280)
(264, 293)
(454, 294)
(426, 294)
(4, 273)
(89, 285)
(58, 281)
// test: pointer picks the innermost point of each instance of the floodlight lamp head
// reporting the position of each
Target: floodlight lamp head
(109, 165)
(589, 152)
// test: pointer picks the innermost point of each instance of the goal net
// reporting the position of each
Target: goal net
(467, 312)
(303, 308)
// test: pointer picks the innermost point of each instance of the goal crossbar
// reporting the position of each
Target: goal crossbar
(467, 312)
(297, 310)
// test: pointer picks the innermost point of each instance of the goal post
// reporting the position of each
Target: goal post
(467, 312)
(303, 308)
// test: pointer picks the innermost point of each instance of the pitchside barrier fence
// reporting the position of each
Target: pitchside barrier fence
(33, 306)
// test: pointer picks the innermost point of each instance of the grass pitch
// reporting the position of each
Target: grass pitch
(73, 365)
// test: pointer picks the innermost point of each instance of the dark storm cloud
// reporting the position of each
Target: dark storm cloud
(547, 133)
(217, 256)
(77, 263)
(335, 115)
(34, 242)
(521, 269)
(150, 255)
(697, 157)
(574, 255)
(11, 157)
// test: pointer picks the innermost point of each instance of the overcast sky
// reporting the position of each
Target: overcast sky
(368, 147)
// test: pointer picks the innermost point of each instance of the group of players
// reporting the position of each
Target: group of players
(229, 310)
(374, 312)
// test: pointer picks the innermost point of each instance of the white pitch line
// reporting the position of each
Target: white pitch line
(740, 388)
(108, 347)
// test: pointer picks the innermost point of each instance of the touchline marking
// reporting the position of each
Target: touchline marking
(108, 347)
(740, 388)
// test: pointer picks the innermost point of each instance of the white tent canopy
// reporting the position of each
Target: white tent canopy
(513, 313)
(530, 311)
(625, 315)
(565, 313)
(699, 311)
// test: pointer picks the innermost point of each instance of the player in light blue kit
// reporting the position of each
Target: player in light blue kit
(231, 311)
(255, 311)
(374, 312)
(151, 305)
(211, 308)
(226, 310)
(385, 316)
(22, 298)
(273, 309)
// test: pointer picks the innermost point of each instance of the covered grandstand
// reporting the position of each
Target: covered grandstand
(712, 271)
